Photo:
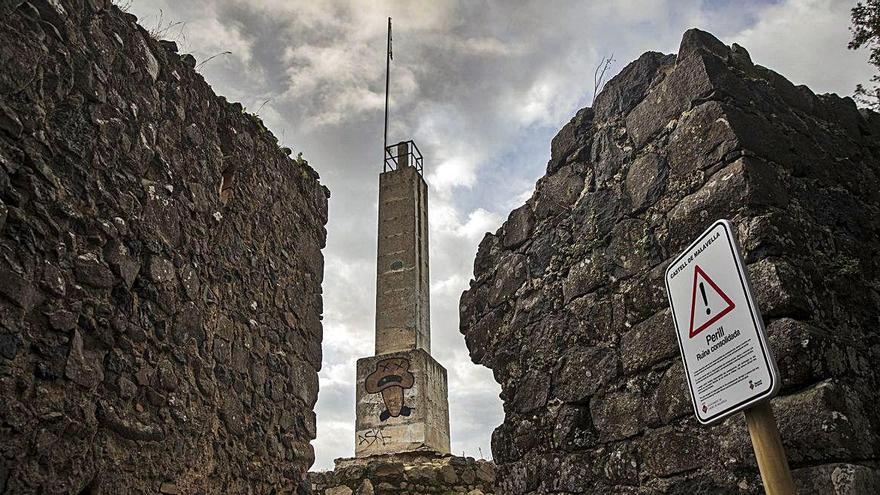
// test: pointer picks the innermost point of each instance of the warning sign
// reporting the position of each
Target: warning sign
(702, 315)
(720, 332)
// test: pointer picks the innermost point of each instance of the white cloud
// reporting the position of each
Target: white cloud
(453, 172)
(546, 102)
(478, 223)
(805, 40)
(210, 37)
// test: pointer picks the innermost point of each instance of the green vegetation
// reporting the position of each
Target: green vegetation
(866, 32)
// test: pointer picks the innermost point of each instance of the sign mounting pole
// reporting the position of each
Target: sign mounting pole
(388, 58)
(769, 452)
(727, 360)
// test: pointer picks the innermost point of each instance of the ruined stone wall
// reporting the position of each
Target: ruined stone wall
(160, 270)
(404, 474)
(569, 310)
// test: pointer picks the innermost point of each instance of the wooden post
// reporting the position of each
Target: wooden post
(769, 451)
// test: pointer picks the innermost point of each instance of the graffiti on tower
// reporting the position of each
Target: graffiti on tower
(390, 378)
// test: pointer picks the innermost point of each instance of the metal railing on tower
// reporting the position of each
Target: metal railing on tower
(403, 154)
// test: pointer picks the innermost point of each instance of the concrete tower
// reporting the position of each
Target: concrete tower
(401, 391)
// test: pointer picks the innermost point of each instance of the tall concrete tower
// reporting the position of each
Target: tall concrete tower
(401, 391)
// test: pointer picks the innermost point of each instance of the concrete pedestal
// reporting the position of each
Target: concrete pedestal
(401, 404)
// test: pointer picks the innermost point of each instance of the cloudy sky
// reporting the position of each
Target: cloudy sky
(481, 86)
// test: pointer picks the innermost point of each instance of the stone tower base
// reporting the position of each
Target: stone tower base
(406, 473)
(401, 404)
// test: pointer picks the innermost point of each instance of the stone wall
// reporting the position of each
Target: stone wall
(404, 474)
(569, 310)
(160, 275)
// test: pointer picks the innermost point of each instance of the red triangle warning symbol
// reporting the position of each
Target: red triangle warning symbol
(713, 302)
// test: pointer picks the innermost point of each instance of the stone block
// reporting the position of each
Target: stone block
(688, 81)
(722, 196)
(508, 280)
(671, 450)
(825, 423)
(583, 372)
(701, 140)
(401, 404)
(518, 227)
(573, 429)
(837, 479)
(559, 192)
(649, 342)
(618, 415)
(646, 180)
(781, 288)
(17, 289)
(628, 88)
(804, 354)
(531, 392)
(672, 399)
(586, 276)
(338, 490)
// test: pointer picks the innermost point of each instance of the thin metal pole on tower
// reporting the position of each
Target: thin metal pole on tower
(388, 57)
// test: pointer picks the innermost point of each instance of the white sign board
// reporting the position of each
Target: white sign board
(720, 332)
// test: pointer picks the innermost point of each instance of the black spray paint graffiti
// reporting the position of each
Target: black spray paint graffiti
(391, 378)
(371, 437)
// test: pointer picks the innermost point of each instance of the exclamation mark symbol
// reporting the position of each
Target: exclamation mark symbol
(705, 301)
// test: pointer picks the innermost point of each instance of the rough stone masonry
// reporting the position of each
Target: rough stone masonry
(405, 474)
(160, 270)
(568, 306)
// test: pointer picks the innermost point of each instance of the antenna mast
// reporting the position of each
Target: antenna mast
(388, 58)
